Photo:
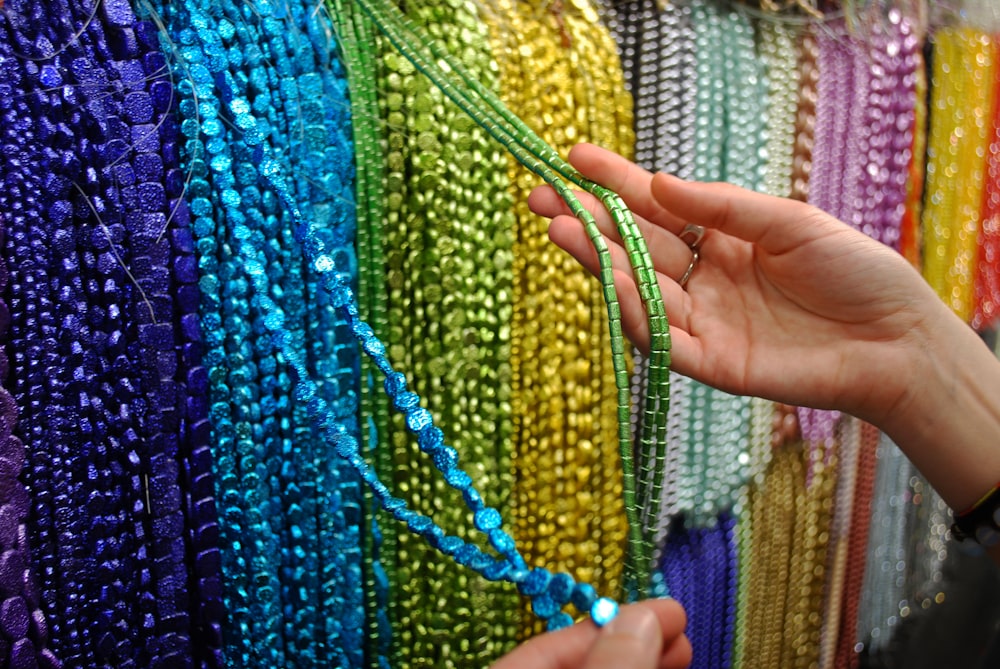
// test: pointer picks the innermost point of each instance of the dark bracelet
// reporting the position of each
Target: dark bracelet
(981, 521)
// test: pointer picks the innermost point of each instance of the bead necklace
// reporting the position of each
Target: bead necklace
(659, 41)
(449, 292)
(778, 51)
(26, 625)
(730, 123)
(30, 302)
(962, 70)
(986, 297)
(316, 125)
(549, 592)
(356, 31)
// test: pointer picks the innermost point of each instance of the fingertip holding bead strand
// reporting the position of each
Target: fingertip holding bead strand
(603, 611)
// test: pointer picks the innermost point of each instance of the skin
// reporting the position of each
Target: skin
(790, 304)
(648, 634)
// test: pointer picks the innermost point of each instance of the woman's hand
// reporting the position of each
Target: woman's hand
(647, 635)
(790, 304)
(786, 302)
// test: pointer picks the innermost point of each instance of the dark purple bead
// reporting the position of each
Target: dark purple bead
(124, 43)
(14, 618)
(23, 655)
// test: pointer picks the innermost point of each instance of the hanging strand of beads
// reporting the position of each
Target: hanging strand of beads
(355, 33)
(291, 528)
(447, 275)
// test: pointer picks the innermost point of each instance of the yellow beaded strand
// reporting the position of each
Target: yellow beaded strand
(961, 91)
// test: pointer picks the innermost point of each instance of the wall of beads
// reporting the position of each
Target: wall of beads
(208, 204)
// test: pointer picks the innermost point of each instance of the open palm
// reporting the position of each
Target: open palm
(786, 302)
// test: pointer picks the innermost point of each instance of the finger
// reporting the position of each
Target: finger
(634, 636)
(627, 179)
(677, 654)
(776, 224)
(565, 649)
(670, 255)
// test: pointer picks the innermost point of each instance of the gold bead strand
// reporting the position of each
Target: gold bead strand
(962, 75)
(567, 490)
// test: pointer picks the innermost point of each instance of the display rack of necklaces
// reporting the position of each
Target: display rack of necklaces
(564, 464)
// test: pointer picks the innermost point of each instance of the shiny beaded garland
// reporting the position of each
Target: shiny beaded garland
(963, 72)
(986, 295)
(290, 528)
(447, 249)
(560, 380)
(357, 40)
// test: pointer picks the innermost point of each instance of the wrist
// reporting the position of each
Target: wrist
(947, 420)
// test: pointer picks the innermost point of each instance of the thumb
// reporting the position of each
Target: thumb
(633, 639)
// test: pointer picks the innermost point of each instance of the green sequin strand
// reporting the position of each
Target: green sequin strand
(447, 263)
(356, 39)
